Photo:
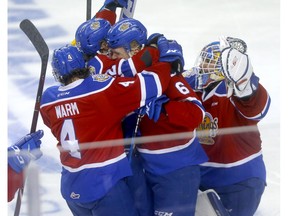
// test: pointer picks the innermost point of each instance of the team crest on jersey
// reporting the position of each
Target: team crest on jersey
(124, 26)
(207, 130)
(100, 77)
(95, 25)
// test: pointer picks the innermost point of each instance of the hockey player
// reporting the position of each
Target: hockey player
(170, 165)
(90, 39)
(87, 109)
(234, 99)
(19, 156)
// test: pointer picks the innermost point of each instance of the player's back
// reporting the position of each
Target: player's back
(91, 110)
(78, 113)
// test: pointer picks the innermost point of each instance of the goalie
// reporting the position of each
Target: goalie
(232, 97)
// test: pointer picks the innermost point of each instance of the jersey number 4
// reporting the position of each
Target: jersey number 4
(68, 139)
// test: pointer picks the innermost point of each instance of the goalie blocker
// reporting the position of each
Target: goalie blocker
(209, 203)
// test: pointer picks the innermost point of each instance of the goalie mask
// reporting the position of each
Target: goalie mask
(208, 66)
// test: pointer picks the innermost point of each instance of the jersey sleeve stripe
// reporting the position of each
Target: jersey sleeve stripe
(261, 114)
(150, 86)
(52, 100)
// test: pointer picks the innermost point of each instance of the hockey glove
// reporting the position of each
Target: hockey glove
(171, 51)
(153, 39)
(237, 68)
(141, 111)
(25, 150)
(232, 42)
(155, 107)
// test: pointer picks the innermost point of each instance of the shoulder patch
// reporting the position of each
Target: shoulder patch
(101, 77)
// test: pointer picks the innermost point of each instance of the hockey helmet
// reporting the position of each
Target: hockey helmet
(126, 31)
(65, 60)
(91, 34)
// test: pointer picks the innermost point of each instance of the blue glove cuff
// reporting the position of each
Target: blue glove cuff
(155, 107)
(17, 159)
(27, 148)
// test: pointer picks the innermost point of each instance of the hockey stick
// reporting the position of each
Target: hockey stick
(132, 144)
(88, 9)
(40, 45)
(128, 12)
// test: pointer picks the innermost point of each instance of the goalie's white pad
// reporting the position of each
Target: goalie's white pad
(209, 204)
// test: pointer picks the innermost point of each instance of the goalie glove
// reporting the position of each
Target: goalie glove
(25, 150)
(237, 69)
(235, 43)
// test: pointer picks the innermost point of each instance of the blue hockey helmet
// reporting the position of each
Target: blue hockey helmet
(66, 60)
(208, 67)
(126, 31)
(91, 34)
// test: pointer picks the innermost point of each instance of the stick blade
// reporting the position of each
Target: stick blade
(36, 38)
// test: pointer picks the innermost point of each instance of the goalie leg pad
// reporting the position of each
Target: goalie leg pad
(209, 203)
